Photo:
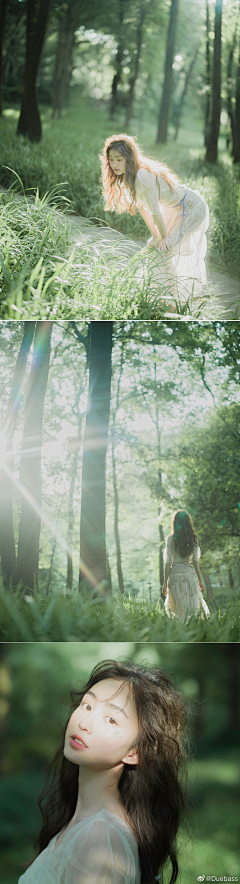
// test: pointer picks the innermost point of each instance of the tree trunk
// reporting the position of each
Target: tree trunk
(134, 76)
(211, 154)
(7, 544)
(118, 60)
(231, 653)
(71, 497)
(30, 471)
(229, 85)
(184, 92)
(208, 585)
(37, 16)
(116, 527)
(208, 79)
(63, 63)
(3, 9)
(94, 568)
(236, 139)
(167, 87)
(115, 488)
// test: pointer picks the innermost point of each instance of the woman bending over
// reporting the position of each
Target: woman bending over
(176, 216)
(113, 801)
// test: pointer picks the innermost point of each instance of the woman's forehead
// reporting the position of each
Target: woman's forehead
(113, 150)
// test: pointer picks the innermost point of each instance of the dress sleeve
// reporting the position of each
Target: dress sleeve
(147, 193)
(168, 552)
(103, 854)
(196, 553)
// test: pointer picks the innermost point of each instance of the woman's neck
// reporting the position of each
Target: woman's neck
(97, 790)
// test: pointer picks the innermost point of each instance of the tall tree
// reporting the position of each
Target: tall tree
(37, 16)
(212, 146)
(30, 471)
(207, 78)
(3, 9)
(236, 130)
(115, 484)
(94, 567)
(142, 13)
(119, 56)
(7, 543)
(67, 23)
(184, 92)
(167, 86)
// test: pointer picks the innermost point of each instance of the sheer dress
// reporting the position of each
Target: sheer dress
(184, 597)
(98, 850)
(186, 217)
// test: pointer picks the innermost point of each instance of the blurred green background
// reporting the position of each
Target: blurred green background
(35, 680)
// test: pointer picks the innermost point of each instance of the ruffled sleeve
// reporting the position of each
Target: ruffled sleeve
(147, 193)
(168, 552)
(196, 553)
(101, 853)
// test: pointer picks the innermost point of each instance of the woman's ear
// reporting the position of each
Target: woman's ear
(131, 757)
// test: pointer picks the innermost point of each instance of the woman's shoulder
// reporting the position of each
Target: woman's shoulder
(143, 176)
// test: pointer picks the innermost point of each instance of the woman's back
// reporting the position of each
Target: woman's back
(172, 552)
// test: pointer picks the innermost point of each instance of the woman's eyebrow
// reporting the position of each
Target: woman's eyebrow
(113, 705)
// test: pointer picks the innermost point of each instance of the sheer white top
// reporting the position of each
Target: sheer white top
(98, 850)
(151, 190)
(171, 555)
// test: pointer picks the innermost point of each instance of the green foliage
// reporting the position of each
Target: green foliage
(69, 152)
(28, 617)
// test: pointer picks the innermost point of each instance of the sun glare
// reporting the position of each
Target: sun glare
(2, 449)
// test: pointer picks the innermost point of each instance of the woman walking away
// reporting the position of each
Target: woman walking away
(114, 799)
(176, 216)
(183, 583)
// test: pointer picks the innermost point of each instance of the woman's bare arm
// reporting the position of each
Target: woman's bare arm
(198, 573)
(160, 228)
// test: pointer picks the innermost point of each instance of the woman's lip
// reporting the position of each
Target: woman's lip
(76, 744)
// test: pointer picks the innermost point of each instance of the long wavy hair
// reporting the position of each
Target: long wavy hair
(114, 186)
(184, 534)
(153, 792)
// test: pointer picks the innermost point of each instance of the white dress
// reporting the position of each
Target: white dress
(98, 850)
(184, 597)
(186, 217)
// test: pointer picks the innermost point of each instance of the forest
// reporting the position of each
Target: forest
(35, 683)
(106, 430)
(70, 74)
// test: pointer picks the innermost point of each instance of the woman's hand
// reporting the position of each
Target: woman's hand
(164, 590)
(156, 242)
(162, 245)
(201, 586)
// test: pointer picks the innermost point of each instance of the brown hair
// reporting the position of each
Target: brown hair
(114, 186)
(184, 534)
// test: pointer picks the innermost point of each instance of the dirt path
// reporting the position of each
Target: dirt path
(222, 291)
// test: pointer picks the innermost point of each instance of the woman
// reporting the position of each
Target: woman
(181, 585)
(176, 216)
(112, 810)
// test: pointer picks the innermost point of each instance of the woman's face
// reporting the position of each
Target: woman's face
(103, 728)
(117, 162)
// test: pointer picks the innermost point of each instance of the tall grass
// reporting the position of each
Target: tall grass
(27, 616)
(43, 276)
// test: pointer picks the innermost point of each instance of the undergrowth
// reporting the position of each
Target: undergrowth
(27, 616)
(44, 276)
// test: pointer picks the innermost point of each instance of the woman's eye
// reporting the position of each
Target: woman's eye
(112, 720)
